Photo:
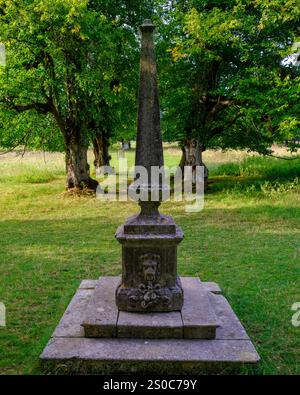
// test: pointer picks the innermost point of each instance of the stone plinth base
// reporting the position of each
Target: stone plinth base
(69, 351)
(168, 299)
(149, 263)
(196, 319)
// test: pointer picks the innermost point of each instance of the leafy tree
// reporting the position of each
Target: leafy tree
(29, 129)
(119, 119)
(72, 60)
(72, 67)
(224, 83)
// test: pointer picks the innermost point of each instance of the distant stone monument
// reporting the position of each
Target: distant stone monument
(149, 320)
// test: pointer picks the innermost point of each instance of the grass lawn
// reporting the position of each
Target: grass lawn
(246, 239)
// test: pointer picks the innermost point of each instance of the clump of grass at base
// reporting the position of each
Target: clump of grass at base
(258, 176)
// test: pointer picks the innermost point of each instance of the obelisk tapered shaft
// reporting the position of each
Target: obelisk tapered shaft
(149, 239)
(149, 150)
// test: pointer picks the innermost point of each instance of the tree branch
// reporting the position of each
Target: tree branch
(222, 101)
(42, 108)
(283, 157)
(25, 137)
(220, 129)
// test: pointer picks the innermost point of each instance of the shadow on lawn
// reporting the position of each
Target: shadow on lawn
(218, 243)
(45, 260)
(256, 174)
(250, 186)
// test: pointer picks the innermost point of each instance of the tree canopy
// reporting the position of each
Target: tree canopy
(227, 81)
(226, 74)
(76, 61)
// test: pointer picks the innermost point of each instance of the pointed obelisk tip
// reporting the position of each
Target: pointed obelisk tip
(147, 26)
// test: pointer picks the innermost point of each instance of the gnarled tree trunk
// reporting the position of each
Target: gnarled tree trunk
(77, 167)
(102, 157)
(192, 156)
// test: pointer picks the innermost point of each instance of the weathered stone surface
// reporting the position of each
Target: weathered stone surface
(152, 261)
(149, 239)
(69, 352)
(135, 323)
(88, 284)
(101, 315)
(136, 355)
(149, 273)
(149, 149)
(230, 326)
(150, 325)
(212, 287)
(198, 316)
(151, 349)
(150, 298)
(69, 325)
(139, 225)
(149, 266)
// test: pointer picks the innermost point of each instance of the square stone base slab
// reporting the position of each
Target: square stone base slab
(69, 352)
(195, 320)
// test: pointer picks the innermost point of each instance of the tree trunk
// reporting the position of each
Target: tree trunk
(102, 157)
(77, 167)
(192, 156)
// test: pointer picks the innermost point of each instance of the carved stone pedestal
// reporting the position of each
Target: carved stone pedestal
(149, 264)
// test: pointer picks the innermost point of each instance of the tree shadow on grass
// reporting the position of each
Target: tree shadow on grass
(253, 184)
(45, 260)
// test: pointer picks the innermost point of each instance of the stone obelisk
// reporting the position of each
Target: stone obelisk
(143, 325)
(149, 239)
(149, 149)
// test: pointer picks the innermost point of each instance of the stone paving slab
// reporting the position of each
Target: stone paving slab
(198, 316)
(151, 349)
(70, 324)
(88, 284)
(150, 325)
(230, 326)
(212, 287)
(83, 355)
(100, 319)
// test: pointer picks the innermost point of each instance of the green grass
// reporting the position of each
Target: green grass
(261, 168)
(246, 239)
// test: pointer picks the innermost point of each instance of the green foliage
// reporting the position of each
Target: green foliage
(30, 130)
(77, 61)
(226, 76)
(227, 79)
